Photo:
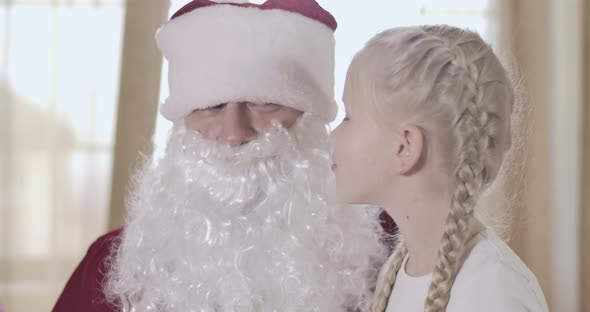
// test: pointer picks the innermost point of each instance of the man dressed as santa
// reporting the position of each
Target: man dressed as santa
(240, 214)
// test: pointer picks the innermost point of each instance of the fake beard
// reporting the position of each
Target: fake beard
(247, 228)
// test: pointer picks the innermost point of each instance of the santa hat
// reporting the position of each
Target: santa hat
(281, 52)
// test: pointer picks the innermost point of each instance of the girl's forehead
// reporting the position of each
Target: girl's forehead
(355, 76)
(350, 97)
(358, 89)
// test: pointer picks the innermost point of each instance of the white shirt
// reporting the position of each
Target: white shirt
(492, 278)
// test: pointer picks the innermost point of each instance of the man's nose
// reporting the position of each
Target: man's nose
(236, 125)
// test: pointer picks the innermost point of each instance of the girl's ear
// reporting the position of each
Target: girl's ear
(410, 150)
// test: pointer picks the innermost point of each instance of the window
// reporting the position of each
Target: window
(59, 78)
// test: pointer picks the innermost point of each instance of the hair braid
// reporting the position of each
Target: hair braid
(389, 280)
(471, 176)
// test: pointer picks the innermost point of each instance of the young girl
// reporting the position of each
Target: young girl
(427, 128)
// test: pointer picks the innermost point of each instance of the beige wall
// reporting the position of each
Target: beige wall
(138, 96)
(585, 186)
(547, 39)
(524, 30)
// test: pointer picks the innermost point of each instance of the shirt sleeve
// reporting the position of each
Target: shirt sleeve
(83, 291)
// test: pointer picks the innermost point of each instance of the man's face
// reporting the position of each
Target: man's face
(236, 123)
(254, 227)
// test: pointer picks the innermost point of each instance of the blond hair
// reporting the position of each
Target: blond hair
(458, 89)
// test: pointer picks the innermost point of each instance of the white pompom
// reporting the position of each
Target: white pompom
(230, 1)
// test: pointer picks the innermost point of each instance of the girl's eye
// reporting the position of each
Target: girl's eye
(346, 119)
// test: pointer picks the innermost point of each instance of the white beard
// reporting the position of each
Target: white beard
(248, 228)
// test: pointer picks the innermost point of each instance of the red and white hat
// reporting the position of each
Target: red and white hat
(281, 52)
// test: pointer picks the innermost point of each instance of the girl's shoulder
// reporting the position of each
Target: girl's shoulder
(494, 278)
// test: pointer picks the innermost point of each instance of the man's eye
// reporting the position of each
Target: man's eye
(209, 109)
(216, 107)
(268, 107)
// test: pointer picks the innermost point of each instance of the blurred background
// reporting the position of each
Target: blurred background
(80, 83)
